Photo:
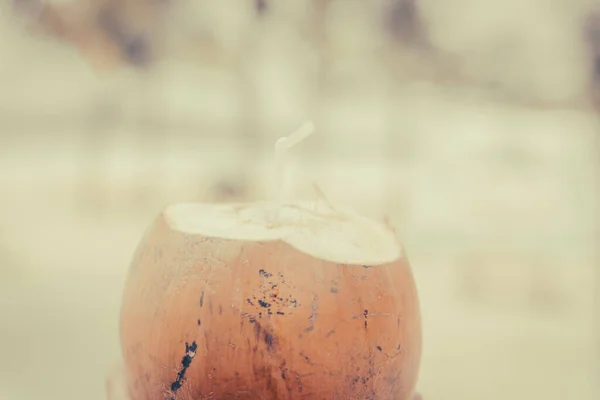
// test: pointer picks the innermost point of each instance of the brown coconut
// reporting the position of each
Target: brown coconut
(220, 303)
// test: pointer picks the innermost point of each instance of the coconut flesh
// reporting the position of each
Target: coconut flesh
(340, 236)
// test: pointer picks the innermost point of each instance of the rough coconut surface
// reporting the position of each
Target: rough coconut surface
(220, 302)
(339, 235)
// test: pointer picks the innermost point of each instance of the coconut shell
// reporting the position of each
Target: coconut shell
(226, 316)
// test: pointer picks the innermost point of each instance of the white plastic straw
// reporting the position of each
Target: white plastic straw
(281, 147)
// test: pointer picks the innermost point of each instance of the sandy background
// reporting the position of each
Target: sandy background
(490, 175)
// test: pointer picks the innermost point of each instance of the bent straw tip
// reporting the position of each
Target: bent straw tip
(296, 137)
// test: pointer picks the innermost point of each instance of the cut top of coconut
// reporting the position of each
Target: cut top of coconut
(340, 236)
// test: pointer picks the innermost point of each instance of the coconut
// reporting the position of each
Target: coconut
(223, 302)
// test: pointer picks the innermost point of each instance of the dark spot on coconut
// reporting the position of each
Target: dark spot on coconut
(264, 304)
(269, 340)
(186, 361)
(265, 335)
(312, 318)
(199, 322)
(379, 348)
(202, 299)
(257, 330)
(264, 274)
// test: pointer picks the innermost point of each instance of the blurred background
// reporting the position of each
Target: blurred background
(471, 124)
